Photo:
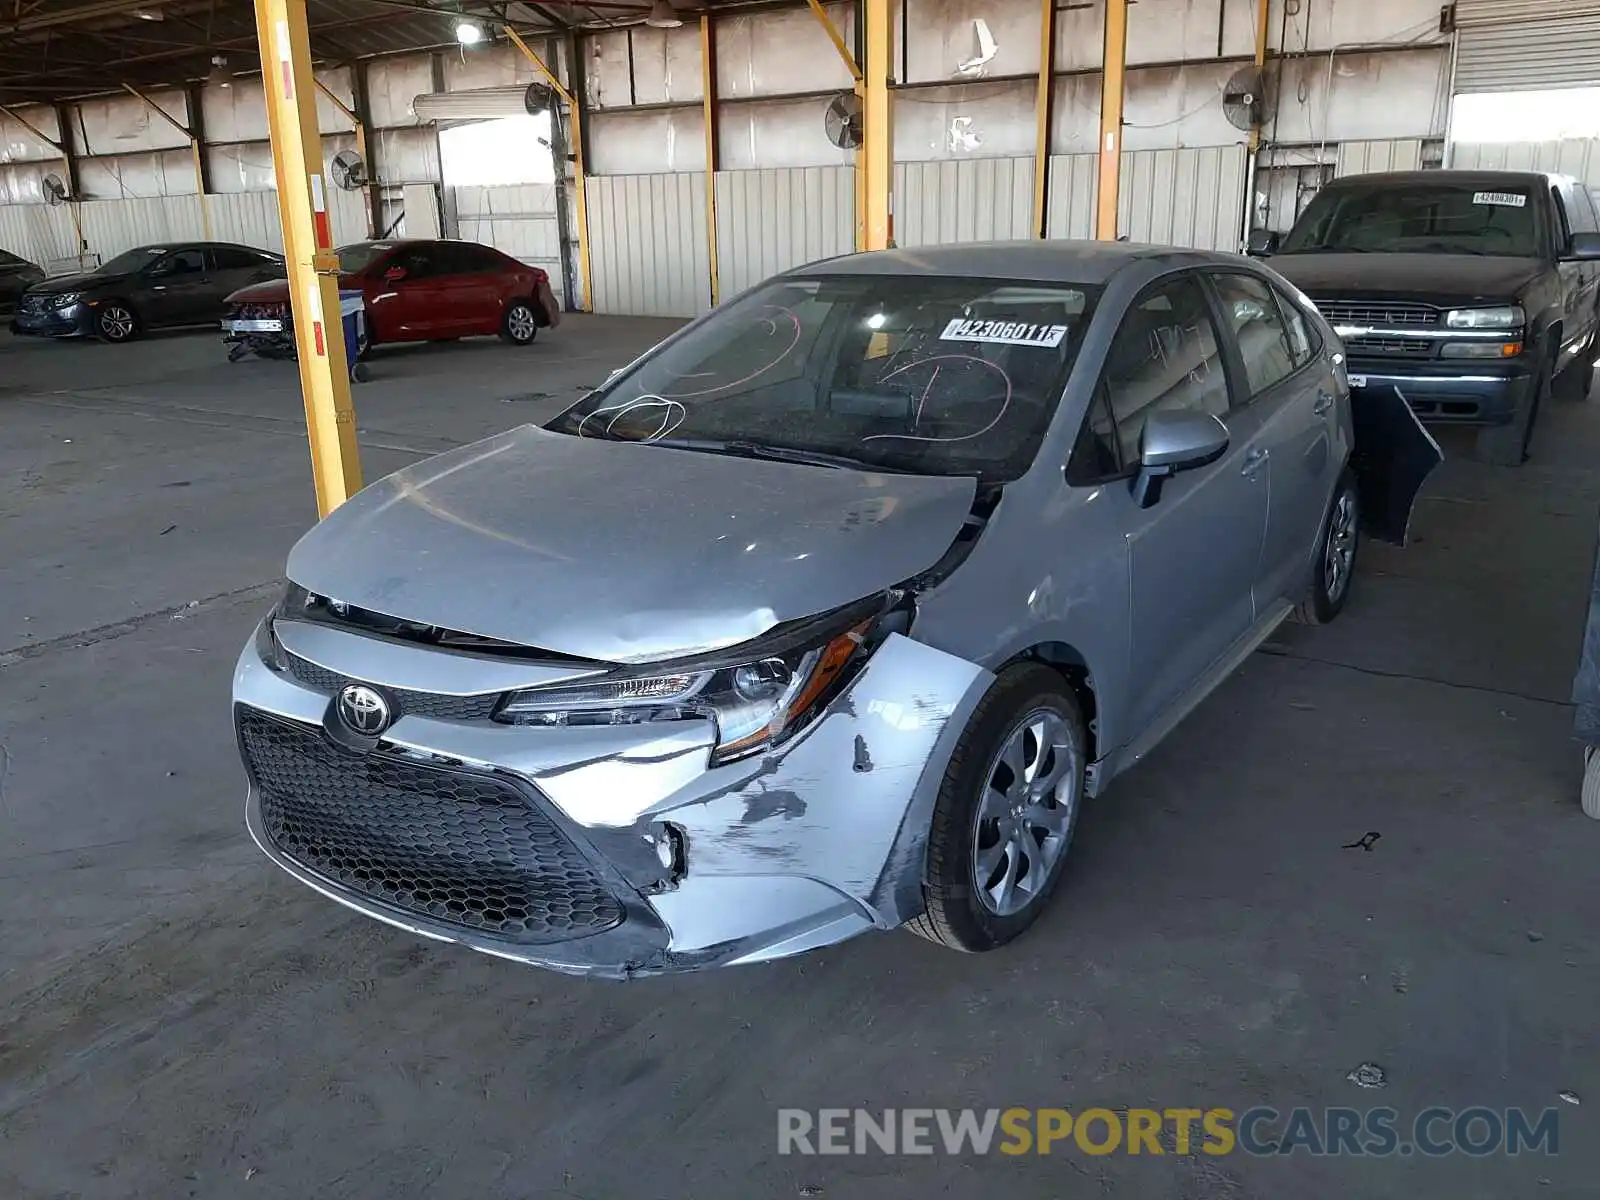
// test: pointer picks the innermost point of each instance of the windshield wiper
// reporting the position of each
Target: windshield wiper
(739, 448)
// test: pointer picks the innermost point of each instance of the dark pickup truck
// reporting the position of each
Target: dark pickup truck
(1471, 293)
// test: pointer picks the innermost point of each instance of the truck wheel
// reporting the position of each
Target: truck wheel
(1507, 445)
(1577, 381)
(1006, 811)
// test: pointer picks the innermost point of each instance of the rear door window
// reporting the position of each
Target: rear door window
(1259, 329)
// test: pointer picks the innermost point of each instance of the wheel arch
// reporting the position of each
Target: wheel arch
(1073, 667)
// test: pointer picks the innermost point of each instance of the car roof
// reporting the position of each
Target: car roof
(1405, 178)
(1083, 262)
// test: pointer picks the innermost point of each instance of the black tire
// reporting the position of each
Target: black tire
(1507, 445)
(1577, 381)
(956, 915)
(520, 324)
(116, 322)
(1341, 530)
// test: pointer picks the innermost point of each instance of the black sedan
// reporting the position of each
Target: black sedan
(16, 275)
(152, 287)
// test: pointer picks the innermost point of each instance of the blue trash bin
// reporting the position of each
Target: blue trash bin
(353, 317)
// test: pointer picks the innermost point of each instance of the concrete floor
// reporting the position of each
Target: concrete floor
(178, 1019)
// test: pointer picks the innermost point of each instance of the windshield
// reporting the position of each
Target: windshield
(130, 261)
(1432, 218)
(362, 255)
(935, 376)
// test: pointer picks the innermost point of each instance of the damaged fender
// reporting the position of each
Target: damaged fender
(1392, 457)
(851, 803)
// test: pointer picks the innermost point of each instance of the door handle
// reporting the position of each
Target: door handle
(1324, 402)
(1254, 460)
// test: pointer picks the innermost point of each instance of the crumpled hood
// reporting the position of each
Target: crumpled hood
(1446, 279)
(83, 282)
(621, 551)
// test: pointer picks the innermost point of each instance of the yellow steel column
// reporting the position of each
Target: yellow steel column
(876, 157)
(579, 199)
(1112, 73)
(708, 87)
(1043, 105)
(307, 245)
(194, 152)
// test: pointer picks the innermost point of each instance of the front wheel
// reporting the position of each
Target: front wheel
(1577, 381)
(1334, 566)
(1006, 812)
(116, 322)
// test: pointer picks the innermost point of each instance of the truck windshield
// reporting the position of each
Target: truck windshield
(1431, 218)
(929, 375)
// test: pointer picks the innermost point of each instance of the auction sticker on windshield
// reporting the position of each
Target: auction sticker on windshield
(1507, 199)
(1005, 333)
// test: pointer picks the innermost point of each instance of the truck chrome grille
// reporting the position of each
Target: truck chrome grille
(1378, 314)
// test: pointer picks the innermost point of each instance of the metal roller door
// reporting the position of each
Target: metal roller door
(1526, 45)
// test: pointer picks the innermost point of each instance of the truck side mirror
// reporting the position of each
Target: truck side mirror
(1262, 243)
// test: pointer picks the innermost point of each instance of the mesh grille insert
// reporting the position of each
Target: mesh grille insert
(462, 848)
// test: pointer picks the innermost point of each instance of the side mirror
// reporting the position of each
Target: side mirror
(1585, 247)
(395, 274)
(1174, 442)
(1263, 242)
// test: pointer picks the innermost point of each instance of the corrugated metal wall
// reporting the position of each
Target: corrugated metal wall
(964, 200)
(1578, 157)
(1192, 197)
(648, 254)
(41, 233)
(519, 220)
(769, 221)
(1363, 158)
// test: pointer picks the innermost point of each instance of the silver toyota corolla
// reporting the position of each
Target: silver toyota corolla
(825, 615)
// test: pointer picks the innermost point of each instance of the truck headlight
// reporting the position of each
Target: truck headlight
(1503, 317)
(757, 702)
(1490, 349)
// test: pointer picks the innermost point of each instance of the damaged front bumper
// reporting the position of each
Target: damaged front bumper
(613, 851)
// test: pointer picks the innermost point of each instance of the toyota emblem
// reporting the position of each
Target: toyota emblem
(364, 710)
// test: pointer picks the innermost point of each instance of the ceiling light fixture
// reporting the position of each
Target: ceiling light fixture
(663, 16)
(469, 33)
(219, 76)
(150, 14)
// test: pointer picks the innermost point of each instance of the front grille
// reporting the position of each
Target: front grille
(259, 312)
(434, 705)
(1381, 314)
(463, 848)
(1390, 347)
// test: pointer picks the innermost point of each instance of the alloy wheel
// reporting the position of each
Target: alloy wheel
(520, 323)
(1339, 557)
(1025, 814)
(116, 322)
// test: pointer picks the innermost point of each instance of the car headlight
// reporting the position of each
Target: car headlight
(758, 698)
(65, 299)
(1503, 317)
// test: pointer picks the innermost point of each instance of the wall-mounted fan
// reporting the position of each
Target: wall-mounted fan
(1245, 100)
(53, 190)
(349, 171)
(843, 121)
(539, 98)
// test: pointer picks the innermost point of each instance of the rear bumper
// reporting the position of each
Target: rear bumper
(72, 321)
(1456, 395)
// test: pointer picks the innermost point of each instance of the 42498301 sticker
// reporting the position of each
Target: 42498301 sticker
(1005, 333)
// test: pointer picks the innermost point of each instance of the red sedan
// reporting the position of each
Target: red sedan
(415, 291)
